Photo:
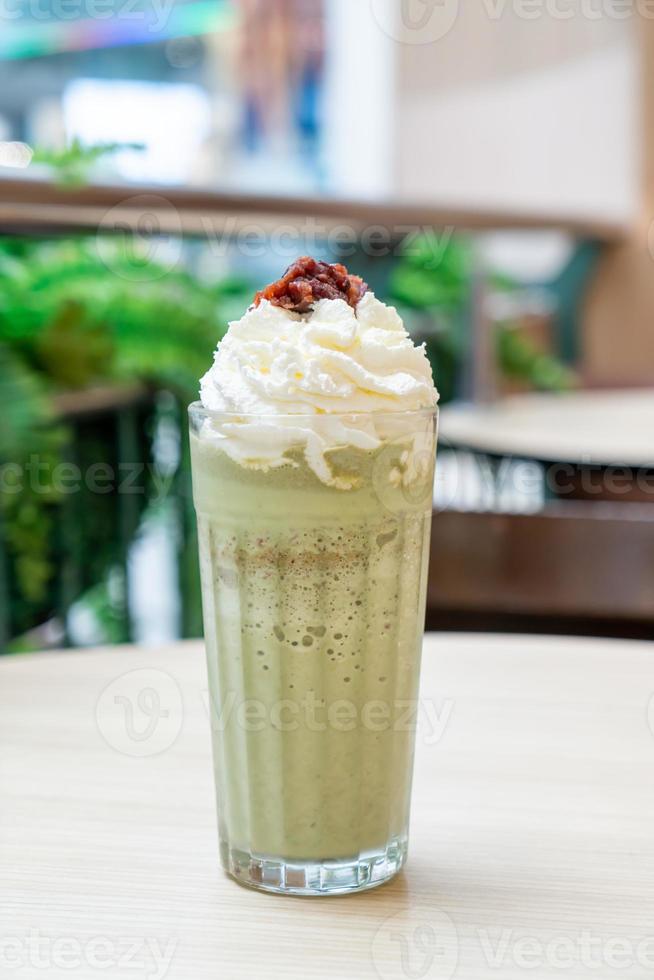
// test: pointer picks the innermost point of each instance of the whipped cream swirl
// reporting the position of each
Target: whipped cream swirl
(274, 364)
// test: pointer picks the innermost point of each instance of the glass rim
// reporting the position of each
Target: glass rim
(197, 410)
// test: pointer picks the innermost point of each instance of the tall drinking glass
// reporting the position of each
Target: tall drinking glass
(314, 606)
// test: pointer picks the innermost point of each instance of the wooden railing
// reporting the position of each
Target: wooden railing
(38, 206)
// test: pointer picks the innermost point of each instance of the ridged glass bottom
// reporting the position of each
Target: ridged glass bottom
(317, 878)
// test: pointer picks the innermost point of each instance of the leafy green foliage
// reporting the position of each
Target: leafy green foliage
(24, 403)
(75, 321)
(432, 284)
(520, 359)
(71, 318)
(434, 274)
(72, 165)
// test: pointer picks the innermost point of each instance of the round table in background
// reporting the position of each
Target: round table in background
(573, 434)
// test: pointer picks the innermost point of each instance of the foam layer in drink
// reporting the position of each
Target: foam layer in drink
(314, 610)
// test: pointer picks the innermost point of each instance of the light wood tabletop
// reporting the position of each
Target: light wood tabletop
(532, 850)
(598, 428)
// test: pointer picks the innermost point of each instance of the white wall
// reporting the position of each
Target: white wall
(361, 91)
(501, 111)
(560, 138)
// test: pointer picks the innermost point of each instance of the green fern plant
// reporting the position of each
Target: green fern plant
(432, 283)
(69, 320)
(71, 165)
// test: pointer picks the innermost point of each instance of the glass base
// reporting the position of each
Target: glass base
(291, 877)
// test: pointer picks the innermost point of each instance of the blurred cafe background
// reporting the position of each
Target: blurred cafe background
(487, 167)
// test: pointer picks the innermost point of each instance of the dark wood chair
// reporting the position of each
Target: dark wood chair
(573, 568)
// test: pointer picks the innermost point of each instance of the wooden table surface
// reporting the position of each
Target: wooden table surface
(532, 831)
(599, 428)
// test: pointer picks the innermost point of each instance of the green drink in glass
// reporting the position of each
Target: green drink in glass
(314, 538)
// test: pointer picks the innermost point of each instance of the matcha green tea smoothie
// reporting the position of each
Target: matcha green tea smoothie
(313, 453)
